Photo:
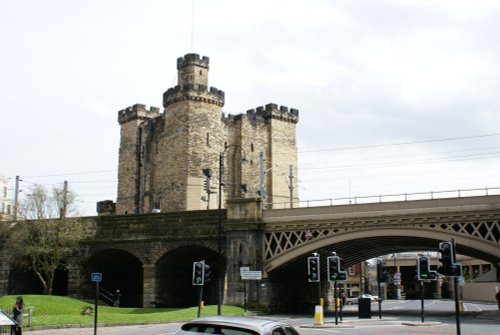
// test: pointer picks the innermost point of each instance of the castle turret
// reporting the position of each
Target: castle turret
(163, 155)
(131, 153)
(194, 133)
(191, 69)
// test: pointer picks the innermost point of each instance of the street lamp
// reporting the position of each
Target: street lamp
(219, 238)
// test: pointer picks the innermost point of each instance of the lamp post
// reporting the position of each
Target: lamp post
(219, 234)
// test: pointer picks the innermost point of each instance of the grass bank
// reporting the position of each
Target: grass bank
(55, 310)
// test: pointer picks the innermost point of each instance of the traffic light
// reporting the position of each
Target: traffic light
(497, 265)
(335, 272)
(206, 185)
(381, 272)
(198, 273)
(313, 269)
(446, 250)
(207, 272)
(424, 269)
(449, 267)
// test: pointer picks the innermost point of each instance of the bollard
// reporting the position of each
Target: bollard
(318, 315)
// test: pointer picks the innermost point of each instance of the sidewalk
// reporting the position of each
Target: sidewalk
(489, 315)
(129, 329)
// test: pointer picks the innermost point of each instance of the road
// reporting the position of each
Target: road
(480, 319)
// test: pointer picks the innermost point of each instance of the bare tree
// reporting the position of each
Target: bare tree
(45, 237)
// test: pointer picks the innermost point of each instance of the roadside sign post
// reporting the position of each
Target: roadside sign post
(96, 277)
(246, 274)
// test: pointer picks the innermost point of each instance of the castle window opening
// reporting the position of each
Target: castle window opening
(251, 147)
(208, 139)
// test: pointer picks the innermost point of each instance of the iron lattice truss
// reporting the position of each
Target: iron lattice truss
(280, 239)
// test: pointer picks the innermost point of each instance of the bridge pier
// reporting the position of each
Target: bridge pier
(149, 292)
(244, 244)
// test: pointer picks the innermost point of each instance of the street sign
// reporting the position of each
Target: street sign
(96, 276)
(397, 278)
(251, 275)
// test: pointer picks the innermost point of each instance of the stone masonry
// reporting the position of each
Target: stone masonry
(162, 155)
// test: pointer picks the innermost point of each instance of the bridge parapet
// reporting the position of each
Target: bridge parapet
(382, 208)
(154, 226)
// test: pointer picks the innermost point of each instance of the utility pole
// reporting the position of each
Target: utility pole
(262, 173)
(291, 185)
(65, 200)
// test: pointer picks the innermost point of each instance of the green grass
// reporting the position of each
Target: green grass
(55, 310)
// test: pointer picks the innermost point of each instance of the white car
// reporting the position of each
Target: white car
(235, 325)
(351, 300)
(371, 297)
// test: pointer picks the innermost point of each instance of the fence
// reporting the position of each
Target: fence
(473, 192)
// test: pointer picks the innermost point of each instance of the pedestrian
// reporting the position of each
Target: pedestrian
(498, 299)
(18, 311)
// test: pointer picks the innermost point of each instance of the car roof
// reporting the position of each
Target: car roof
(251, 322)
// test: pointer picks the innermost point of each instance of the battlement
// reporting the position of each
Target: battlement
(272, 111)
(137, 112)
(192, 59)
(193, 92)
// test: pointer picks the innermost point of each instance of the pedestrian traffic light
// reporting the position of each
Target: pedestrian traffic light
(198, 273)
(381, 272)
(449, 266)
(313, 269)
(335, 271)
(424, 269)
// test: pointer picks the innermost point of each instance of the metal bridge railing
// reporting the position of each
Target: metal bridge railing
(473, 192)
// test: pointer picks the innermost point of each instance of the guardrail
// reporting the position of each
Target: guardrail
(430, 195)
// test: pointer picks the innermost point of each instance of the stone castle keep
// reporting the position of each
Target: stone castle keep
(162, 155)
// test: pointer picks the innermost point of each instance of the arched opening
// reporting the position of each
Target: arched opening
(23, 281)
(291, 275)
(174, 277)
(120, 271)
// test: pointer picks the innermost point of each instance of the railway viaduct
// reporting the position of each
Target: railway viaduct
(149, 257)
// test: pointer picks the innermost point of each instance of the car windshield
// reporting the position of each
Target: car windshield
(216, 329)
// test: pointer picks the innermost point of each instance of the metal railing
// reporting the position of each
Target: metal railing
(106, 296)
(430, 195)
(28, 312)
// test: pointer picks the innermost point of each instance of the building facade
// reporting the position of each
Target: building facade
(169, 161)
(6, 203)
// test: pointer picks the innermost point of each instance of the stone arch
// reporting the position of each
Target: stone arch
(27, 282)
(120, 271)
(174, 271)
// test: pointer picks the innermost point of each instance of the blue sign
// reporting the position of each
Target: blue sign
(96, 276)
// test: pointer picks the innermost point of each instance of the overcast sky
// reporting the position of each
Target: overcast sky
(394, 96)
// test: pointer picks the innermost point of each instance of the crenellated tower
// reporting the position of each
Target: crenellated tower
(162, 155)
